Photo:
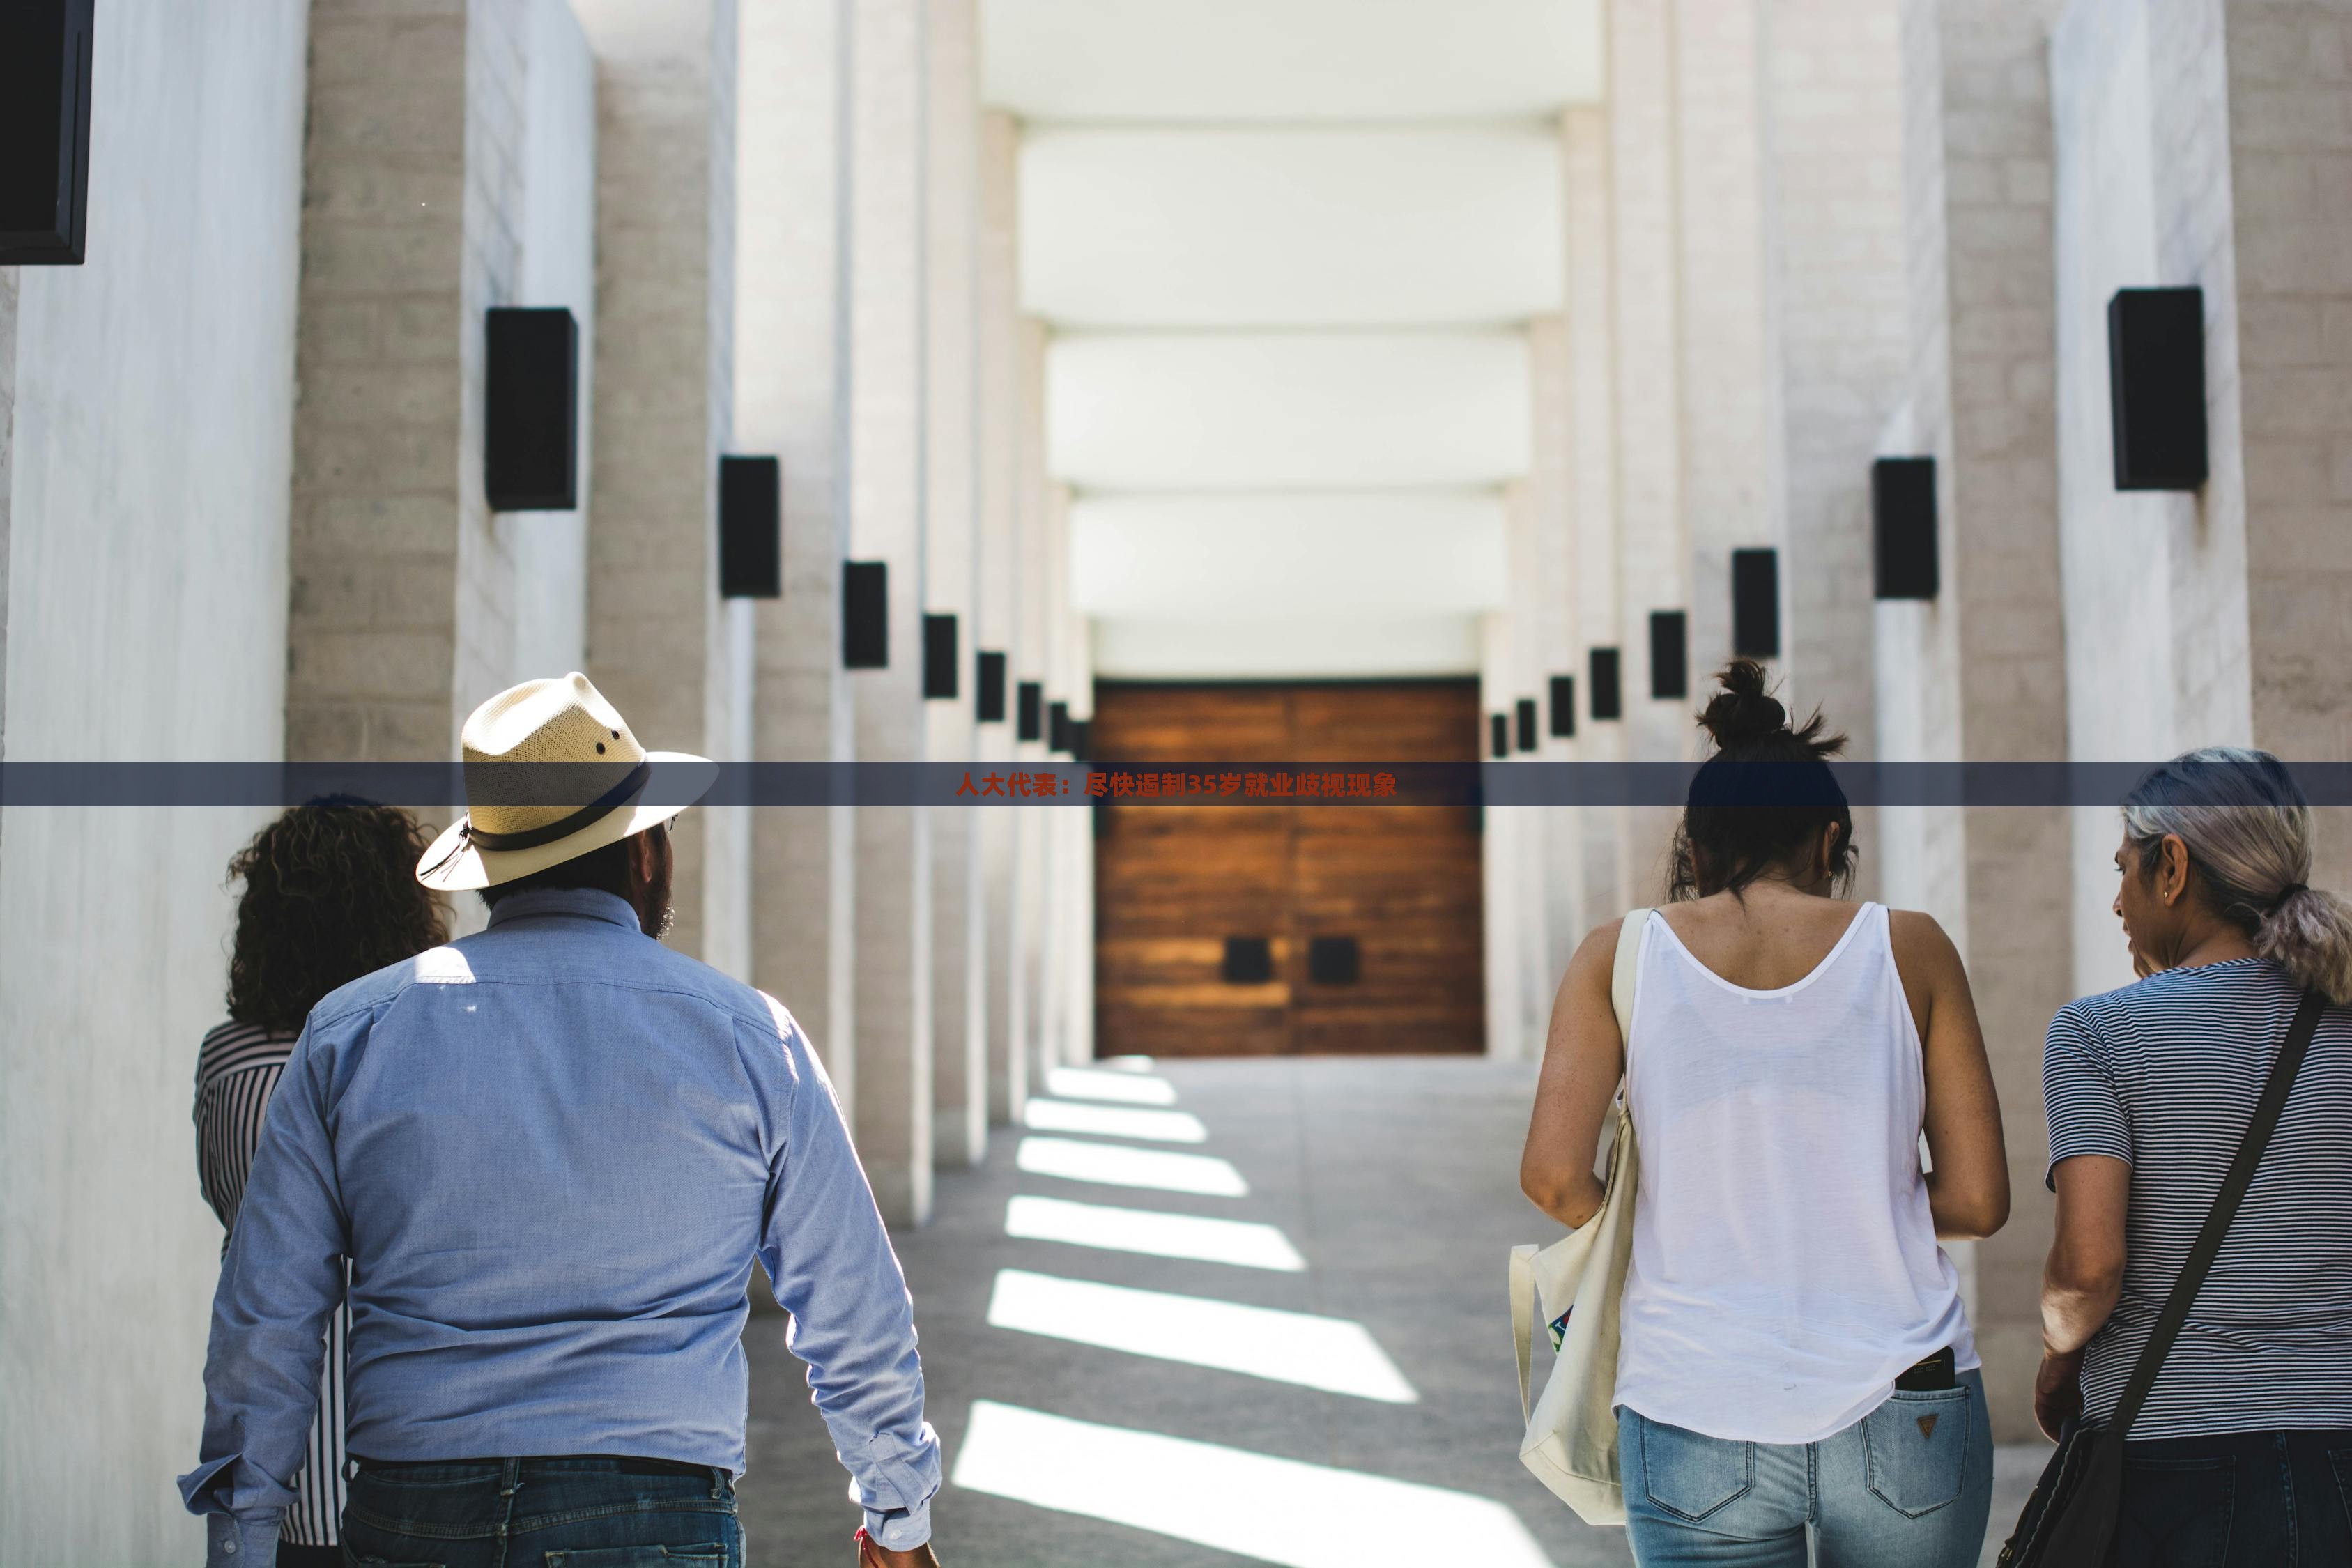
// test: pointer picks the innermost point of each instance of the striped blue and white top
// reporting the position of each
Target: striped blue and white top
(2165, 1074)
(236, 1070)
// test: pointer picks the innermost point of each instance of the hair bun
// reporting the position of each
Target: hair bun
(1742, 712)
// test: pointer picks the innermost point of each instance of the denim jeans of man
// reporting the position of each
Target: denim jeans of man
(2246, 1500)
(1908, 1485)
(582, 1512)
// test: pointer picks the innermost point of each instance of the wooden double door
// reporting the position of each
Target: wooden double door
(1269, 927)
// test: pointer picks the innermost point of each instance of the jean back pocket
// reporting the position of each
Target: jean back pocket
(1918, 1450)
(1690, 1475)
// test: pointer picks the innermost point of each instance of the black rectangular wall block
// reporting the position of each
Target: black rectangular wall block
(1081, 739)
(1032, 713)
(44, 74)
(1903, 527)
(1057, 726)
(1756, 603)
(2155, 385)
(1563, 705)
(1669, 654)
(751, 528)
(1607, 682)
(989, 693)
(1249, 961)
(530, 411)
(940, 657)
(1526, 714)
(1500, 727)
(1334, 961)
(865, 614)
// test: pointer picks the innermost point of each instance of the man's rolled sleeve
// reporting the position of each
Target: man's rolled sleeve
(2084, 1105)
(825, 1247)
(279, 1283)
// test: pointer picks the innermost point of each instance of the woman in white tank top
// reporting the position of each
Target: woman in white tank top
(1796, 1358)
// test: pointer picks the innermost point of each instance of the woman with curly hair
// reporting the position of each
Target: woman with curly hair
(330, 894)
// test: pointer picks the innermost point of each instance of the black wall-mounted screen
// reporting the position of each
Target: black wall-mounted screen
(1669, 654)
(2155, 383)
(1526, 714)
(940, 657)
(1903, 527)
(1608, 684)
(751, 528)
(1249, 961)
(1563, 705)
(45, 72)
(1756, 603)
(530, 411)
(1501, 734)
(1334, 961)
(989, 693)
(865, 614)
(1032, 712)
(1057, 727)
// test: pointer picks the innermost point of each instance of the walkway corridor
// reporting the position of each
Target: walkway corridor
(1245, 1301)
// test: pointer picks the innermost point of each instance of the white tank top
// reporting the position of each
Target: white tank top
(1785, 1266)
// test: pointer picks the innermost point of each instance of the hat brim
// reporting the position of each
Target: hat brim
(456, 863)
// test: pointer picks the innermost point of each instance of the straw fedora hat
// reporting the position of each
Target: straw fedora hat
(523, 817)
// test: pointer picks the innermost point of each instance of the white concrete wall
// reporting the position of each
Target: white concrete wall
(154, 396)
(558, 267)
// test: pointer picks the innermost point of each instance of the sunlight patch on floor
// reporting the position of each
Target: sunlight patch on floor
(1115, 1121)
(1335, 1354)
(1257, 1505)
(1114, 1165)
(1244, 1243)
(1128, 1087)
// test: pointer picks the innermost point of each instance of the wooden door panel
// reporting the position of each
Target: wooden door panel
(1173, 882)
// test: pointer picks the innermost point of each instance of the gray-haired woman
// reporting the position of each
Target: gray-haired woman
(2242, 1454)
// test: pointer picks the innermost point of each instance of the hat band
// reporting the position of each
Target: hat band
(603, 805)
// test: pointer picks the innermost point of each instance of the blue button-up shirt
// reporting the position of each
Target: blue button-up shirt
(550, 1151)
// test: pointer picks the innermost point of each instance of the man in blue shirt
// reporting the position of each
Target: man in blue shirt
(550, 1151)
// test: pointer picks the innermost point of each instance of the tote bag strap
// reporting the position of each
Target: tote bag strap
(1626, 971)
(2225, 1209)
(1523, 1320)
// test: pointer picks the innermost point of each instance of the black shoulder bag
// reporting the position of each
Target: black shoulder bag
(2071, 1518)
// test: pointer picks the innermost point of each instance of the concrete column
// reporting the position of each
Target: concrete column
(1057, 1022)
(995, 614)
(951, 571)
(661, 644)
(1033, 843)
(403, 596)
(1838, 318)
(887, 491)
(1647, 266)
(1592, 511)
(1078, 825)
(1976, 673)
(1718, 189)
(792, 401)
(2288, 139)
(1559, 642)
(1534, 837)
(1500, 853)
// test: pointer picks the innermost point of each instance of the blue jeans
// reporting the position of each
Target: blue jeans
(1908, 1485)
(540, 1514)
(2246, 1500)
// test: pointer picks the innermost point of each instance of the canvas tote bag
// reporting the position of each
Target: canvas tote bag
(1574, 1287)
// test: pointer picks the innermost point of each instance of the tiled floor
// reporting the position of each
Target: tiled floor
(1134, 1409)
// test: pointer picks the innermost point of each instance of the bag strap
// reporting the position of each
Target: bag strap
(1626, 971)
(2225, 1209)
(1523, 1320)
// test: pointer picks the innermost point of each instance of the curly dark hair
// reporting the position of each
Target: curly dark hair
(1765, 796)
(330, 894)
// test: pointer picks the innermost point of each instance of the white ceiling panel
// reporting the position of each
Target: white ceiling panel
(1293, 648)
(1296, 227)
(1250, 557)
(1288, 59)
(1260, 411)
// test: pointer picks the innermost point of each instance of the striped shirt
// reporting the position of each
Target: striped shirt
(2164, 1074)
(236, 1069)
